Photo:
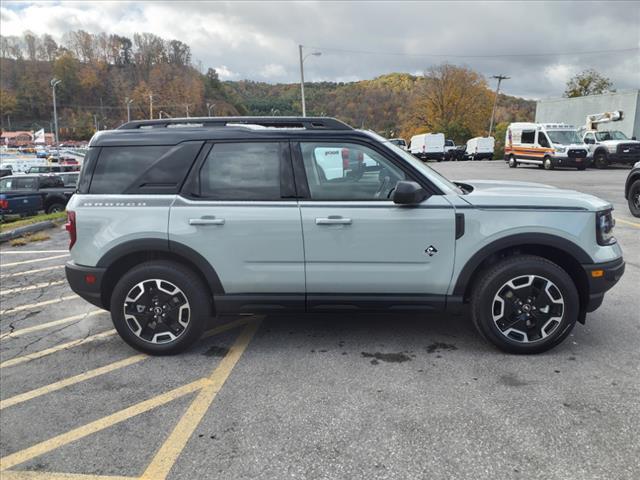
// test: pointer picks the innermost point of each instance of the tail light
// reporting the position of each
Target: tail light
(345, 159)
(70, 227)
(4, 204)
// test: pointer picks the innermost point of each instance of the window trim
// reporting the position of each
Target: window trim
(302, 183)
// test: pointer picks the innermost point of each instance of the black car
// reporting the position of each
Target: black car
(632, 190)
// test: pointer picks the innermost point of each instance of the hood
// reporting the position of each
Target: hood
(618, 142)
(504, 194)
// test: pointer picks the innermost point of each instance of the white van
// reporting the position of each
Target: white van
(428, 146)
(547, 145)
(479, 148)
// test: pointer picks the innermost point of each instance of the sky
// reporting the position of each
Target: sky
(539, 44)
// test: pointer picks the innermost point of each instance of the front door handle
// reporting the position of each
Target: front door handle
(206, 221)
(333, 220)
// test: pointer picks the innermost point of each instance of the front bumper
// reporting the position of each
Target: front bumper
(574, 162)
(86, 282)
(602, 277)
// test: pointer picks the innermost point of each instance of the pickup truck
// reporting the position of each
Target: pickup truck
(49, 189)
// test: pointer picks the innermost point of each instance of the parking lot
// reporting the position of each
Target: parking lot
(331, 397)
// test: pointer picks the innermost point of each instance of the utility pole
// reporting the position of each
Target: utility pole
(54, 83)
(128, 102)
(302, 59)
(186, 106)
(95, 121)
(495, 102)
(151, 106)
(209, 107)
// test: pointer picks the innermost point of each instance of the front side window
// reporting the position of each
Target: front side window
(542, 140)
(242, 171)
(347, 171)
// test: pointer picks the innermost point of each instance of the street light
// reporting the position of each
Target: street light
(495, 102)
(54, 83)
(302, 59)
(128, 101)
(209, 107)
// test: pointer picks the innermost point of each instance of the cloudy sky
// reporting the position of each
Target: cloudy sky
(538, 44)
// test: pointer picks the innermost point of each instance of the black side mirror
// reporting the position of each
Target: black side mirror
(409, 193)
(633, 138)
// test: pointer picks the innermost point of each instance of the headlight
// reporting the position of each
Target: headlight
(604, 228)
(561, 149)
(611, 148)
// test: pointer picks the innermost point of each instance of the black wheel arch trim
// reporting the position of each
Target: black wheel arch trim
(520, 239)
(633, 176)
(168, 246)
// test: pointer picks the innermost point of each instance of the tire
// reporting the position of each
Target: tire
(160, 283)
(495, 299)
(548, 163)
(513, 163)
(581, 168)
(600, 160)
(55, 207)
(634, 198)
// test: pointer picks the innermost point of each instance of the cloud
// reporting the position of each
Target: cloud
(225, 74)
(358, 40)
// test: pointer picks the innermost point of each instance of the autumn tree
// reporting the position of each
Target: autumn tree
(588, 82)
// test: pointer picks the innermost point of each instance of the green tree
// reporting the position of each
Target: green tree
(588, 82)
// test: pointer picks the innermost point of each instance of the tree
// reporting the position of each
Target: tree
(7, 102)
(588, 82)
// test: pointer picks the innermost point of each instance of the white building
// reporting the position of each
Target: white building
(575, 110)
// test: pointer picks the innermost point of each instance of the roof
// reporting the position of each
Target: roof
(6, 134)
(175, 130)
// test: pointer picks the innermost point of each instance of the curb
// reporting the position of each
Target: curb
(33, 228)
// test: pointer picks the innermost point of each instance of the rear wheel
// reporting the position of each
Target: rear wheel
(160, 307)
(513, 163)
(525, 304)
(55, 208)
(634, 198)
(600, 160)
(548, 163)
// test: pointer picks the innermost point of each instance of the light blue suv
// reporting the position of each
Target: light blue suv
(178, 221)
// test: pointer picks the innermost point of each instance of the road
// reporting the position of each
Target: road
(326, 397)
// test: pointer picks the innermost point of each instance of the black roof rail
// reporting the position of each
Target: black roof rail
(308, 123)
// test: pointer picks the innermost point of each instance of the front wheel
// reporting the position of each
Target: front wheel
(513, 163)
(160, 307)
(525, 304)
(600, 160)
(634, 198)
(548, 163)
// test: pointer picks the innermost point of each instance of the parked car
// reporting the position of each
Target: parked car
(612, 146)
(632, 190)
(399, 142)
(53, 168)
(428, 146)
(50, 188)
(16, 198)
(459, 153)
(69, 179)
(480, 148)
(171, 226)
(5, 172)
(547, 145)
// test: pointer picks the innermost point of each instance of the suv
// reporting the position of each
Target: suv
(176, 221)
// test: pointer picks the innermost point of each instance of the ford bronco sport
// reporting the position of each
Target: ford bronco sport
(176, 221)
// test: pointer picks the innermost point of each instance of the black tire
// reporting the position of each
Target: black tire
(190, 288)
(494, 281)
(581, 167)
(634, 198)
(55, 207)
(513, 163)
(600, 160)
(548, 163)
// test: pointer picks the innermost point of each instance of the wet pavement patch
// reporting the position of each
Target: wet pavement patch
(439, 346)
(511, 380)
(216, 351)
(386, 357)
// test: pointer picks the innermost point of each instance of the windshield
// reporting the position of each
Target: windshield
(441, 181)
(564, 137)
(612, 135)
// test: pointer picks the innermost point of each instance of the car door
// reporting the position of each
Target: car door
(361, 249)
(238, 211)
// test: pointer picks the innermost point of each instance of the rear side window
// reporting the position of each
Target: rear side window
(242, 171)
(118, 166)
(52, 181)
(528, 136)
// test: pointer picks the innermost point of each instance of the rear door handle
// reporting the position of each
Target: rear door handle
(333, 220)
(206, 221)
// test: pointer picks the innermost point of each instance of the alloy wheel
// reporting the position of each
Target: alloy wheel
(156, 311)
(528, 308)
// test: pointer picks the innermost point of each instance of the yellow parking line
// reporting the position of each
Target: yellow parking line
(228, 326)
(43, 326)
(43, 353)
(34, 260)
(627, 222)
(29, 272)
(96, 372)
(170, 450)
(27, 475)
(13, 252)
(97, 425)
(32, 287)
(36, 305)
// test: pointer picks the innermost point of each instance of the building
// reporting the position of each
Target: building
(575, 110)
(16, 139)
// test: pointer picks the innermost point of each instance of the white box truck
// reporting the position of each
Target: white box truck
(428, 146)
(479, 148)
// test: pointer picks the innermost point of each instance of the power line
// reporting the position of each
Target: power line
(497, 55)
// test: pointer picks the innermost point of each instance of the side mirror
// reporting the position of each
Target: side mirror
(633, 138)
(408, 193)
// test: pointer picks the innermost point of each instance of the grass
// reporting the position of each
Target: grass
(35, 237)
(10, 225)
